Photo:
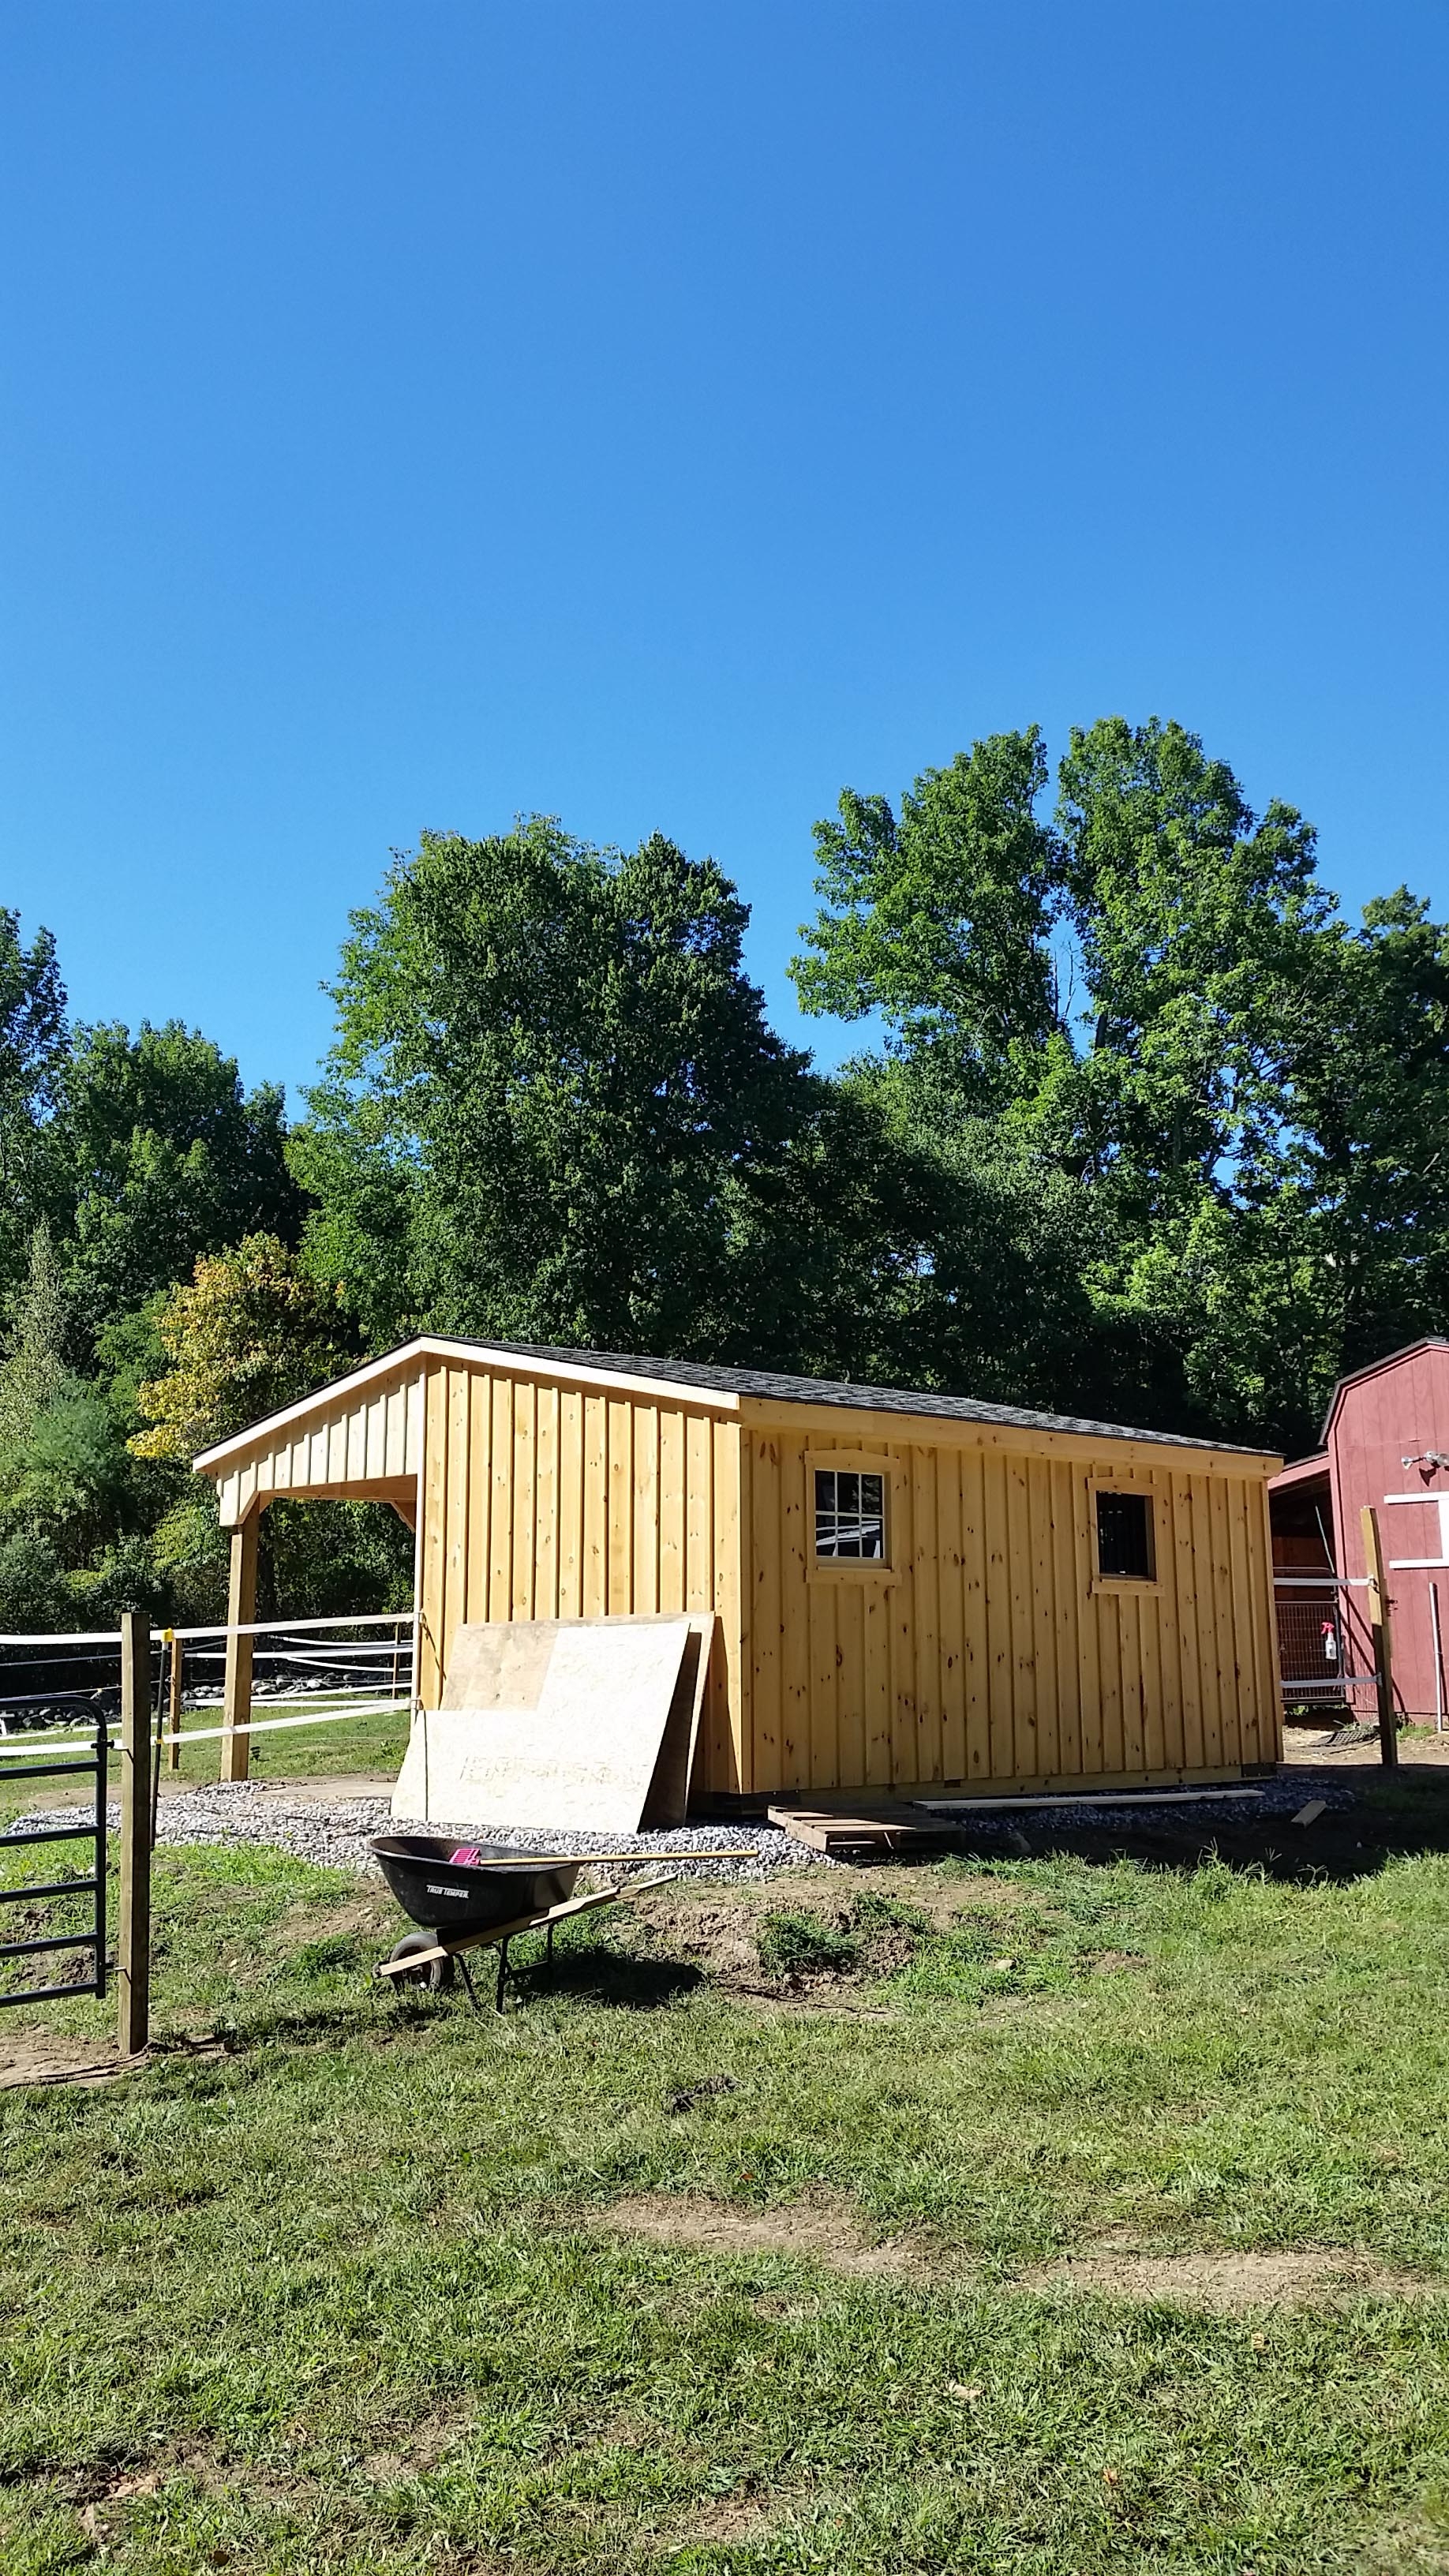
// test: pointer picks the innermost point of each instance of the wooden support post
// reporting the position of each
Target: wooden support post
(1379, 1623)
(241, 1609)
(133, 1930)
(173, 1722)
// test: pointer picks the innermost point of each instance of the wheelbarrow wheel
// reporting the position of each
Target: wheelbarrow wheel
(436, 1974)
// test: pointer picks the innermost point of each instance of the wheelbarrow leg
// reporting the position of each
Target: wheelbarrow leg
(550, 1955)
(468, 1982)
(502, 1973)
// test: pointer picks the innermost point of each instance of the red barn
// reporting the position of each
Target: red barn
(1385, 1442)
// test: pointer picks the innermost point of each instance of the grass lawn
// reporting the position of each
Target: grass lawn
(824, 2243)
(343, 1744)
(337, 1745)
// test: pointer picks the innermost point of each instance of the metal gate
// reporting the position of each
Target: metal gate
(92, 1767)
(1325, 1646)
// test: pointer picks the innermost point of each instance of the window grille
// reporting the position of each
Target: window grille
(1124, 1537)
(849, 1514)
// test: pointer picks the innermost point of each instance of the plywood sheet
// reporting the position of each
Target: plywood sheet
(580, 1724)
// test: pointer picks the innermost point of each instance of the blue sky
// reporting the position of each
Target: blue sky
(664, 415)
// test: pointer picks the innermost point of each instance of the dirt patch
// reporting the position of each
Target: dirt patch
(1308, 2276)
(942, 1896)
(820, 2231)
(717, 1937)
(301, 1928)
(731, 2518)
(39, 2057)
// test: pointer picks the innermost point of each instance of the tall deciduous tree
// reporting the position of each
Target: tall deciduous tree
(33, 1042)
(249, 1332)
(1155, 996)
(551, 1081)
(159, 1154)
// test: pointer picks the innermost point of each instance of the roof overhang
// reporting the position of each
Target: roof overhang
(1391, 1359)
(1304, 1471)
(294, 1418)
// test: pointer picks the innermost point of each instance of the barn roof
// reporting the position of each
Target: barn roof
(1371, 1368)
(726, 1385)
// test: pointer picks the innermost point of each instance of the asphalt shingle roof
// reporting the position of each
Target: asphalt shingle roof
(777, 1388)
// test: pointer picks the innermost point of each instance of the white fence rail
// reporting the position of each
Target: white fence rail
(306, 1673)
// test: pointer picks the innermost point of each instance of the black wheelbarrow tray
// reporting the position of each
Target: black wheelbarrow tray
(473, 1896)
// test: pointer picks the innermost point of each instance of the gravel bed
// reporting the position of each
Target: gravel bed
(1282, 1796)
(336, 1836)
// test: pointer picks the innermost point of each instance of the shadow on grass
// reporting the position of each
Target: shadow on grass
(1394, 1816)
(604, 1976)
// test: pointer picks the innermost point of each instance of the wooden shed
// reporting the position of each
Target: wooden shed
(911, 1591)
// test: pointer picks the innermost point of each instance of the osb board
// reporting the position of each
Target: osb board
(583, 1724)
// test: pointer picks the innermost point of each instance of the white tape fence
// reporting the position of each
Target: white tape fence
(305, 1672)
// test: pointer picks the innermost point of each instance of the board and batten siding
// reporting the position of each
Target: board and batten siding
(369, 1444)
(542, 1500)
(990, 1653)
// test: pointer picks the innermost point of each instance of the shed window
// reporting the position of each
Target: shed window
(1124, 1537)
(849, 1514)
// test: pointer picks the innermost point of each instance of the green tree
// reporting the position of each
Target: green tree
(32, 1051)
(159, 1154)
(249, 1332)
(34, 1367)
(552, 1082)
(1155, 999)
(945, 919)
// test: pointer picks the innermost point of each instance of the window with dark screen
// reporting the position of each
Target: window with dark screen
(1124, 1537)
(849, 1514)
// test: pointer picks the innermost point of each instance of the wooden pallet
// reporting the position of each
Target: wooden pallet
(869, 1837)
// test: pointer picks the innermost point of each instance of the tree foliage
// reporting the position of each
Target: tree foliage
(158, 1154)
(1156, 994)
(33, 1047)
(1150, 1131)
(251, 1331)
(551, 1083)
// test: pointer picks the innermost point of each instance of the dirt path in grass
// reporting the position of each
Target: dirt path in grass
(1298, 2277)
(831, 2232)
(824, 2231)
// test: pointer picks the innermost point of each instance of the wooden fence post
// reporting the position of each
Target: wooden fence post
(241, 1610)
(1380, 1624)
(173, 1724)
(133, 1930)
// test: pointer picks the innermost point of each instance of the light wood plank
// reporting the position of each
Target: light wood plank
(919, 1616)
(596, 1506)
(800, 1755)
(480, 1480)
(1022, 1667)
(570, 1503)
(766, 1626)
(731, 1764)
(546, 1504)
(434, 1538)
(459, 1494)
(673, 1511)
(951, 1614)
(647, 1499)
(621, 1507)
(500, 1528)
(1066, 1613)
(699, 1512)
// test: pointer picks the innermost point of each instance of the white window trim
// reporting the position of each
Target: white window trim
(1133, 1583)
(852, 1569)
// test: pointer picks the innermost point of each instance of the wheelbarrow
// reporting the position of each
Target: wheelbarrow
(473, 1896)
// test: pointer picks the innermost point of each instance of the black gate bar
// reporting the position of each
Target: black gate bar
(94, 1766)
